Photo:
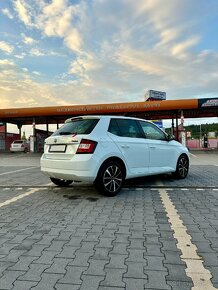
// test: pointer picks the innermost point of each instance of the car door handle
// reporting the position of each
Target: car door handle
(152, 147)
(125, 146)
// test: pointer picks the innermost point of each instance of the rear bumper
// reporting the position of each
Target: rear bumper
(80, 168)
(17, 149)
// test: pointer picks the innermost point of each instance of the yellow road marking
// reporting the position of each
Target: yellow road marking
(200, 276)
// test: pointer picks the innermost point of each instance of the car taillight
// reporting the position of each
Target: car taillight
(86, 146)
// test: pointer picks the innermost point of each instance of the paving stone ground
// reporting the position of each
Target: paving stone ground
(50, 240)
(74, 238)
(199, 211)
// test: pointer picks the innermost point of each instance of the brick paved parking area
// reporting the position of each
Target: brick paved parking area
(158, 234)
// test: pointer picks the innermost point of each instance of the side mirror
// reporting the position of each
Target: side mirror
(170, 137)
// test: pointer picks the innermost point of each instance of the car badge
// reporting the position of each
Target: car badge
(55, 140)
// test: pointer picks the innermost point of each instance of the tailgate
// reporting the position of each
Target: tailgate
(61, 147)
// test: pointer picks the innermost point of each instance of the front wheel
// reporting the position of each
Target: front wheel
(110, 178)
(61, 182)
(182, 167)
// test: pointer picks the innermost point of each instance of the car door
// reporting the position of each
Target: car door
(161, 153)
(127, 135)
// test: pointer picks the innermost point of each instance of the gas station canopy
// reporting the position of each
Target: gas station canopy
(166, 109)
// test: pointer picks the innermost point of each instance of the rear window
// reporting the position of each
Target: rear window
(18, 142)
(77, 126)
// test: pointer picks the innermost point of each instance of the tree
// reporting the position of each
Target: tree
(23, 136)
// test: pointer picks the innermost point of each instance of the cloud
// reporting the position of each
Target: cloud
(6, 63)
(28, 40)
(182, 78)
(57, 19)
(42, 52)
(73, 40)
(55, 7)
(180, 48)
(116, 50)
(6, 12)
(36, 52)
(83, 64)
(20, 56)
(6, 47)
(23, 12)
(36, 73)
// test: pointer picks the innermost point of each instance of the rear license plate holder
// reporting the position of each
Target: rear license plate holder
(60, 148)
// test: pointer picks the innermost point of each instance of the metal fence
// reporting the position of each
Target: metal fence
(197, 143)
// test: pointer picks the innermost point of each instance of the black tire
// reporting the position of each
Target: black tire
(61, 182)
(182, 167)
(110, 178)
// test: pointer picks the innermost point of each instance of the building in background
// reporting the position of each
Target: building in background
(7, 138)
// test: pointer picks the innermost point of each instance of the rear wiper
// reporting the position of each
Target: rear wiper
(65, 133)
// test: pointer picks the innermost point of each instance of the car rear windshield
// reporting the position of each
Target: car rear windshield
(18, 142)
(77, 126)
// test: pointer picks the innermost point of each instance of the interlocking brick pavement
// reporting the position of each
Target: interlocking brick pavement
(52, 241)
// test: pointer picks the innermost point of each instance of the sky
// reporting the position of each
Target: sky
(66, 52)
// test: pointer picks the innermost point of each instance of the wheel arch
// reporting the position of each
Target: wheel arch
(177, 159)
(185, 154)
(110, 159)
(177, 174)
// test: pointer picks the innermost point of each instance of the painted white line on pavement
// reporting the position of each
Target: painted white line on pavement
(193, 155)
(4, 173)
(14, 199)
(200, 276)
(50, 183)
(18, 197)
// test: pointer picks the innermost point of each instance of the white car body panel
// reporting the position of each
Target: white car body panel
(135, 153)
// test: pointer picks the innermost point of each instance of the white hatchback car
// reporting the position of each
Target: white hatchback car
(106, 150)
(19, 146)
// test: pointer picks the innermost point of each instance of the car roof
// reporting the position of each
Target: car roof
(105, 117)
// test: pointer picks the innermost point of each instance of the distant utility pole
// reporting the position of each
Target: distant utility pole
(200, 137)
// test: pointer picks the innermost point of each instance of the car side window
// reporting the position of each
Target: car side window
(125, 128)
(152, 132)
(113, 128)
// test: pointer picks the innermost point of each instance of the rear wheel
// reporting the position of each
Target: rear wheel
(61, 182)
(110, 178)
(182, 167)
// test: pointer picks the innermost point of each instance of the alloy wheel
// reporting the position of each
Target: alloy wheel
(183, 167)
(112, 178)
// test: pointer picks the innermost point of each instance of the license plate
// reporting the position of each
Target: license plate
(57, 148)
